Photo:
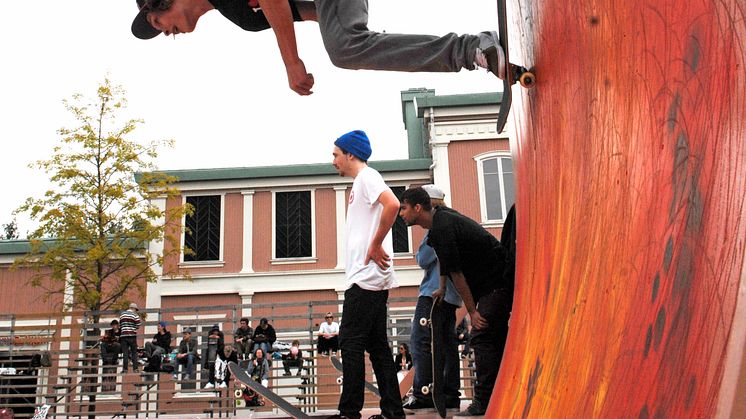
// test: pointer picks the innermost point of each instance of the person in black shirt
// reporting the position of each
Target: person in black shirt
(476, 263)
(161, 343)
(264, 336)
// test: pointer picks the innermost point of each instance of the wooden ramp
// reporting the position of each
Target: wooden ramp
(631, 208)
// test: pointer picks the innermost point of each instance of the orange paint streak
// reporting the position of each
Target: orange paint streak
(631, 166)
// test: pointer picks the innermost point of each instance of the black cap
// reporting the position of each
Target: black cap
(140, 26)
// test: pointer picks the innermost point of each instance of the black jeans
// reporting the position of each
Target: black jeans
(489, 343)
(363, 329)
(129, 351)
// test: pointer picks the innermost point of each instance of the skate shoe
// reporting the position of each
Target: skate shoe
(490, 54)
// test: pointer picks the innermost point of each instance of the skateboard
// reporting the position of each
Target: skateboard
(337, 364)
(513, 72)
(240, 375)
(436, 349)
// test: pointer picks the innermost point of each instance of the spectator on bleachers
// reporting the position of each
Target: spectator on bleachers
(328, 336)
(161, 343)
(155, 349)
(129, 323)
(259, 367)
(242, 339)
(264, 336)
(110, 347)
(228, 355)
(293, 358)
(188, 354)
(403, 358)
(215, 347)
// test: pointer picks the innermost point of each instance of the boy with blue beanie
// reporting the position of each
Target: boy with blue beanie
(371, 211)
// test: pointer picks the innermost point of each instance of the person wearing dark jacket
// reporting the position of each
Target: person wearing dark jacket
(264, 336)
(188, 354)
(242, 338)
(161, 343)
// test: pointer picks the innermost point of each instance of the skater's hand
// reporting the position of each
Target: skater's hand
(439, 293)
(379, 256)
(299, 80)
(477, 321)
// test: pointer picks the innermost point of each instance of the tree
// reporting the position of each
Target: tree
(10, 230)
(99, 215)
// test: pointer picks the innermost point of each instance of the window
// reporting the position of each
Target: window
(496, 186)
(202, 235)
(293, 225)
(400, 231)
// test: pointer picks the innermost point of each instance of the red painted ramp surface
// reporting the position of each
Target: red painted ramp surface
(631, 167)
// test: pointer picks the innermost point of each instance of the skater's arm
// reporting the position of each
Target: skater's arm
(388, 216)
(459, 281)
(280, 17)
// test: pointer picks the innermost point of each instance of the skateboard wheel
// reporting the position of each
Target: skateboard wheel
(425, 390)
(527, 80)
(423, 322)
(238, 393)
(339, 380)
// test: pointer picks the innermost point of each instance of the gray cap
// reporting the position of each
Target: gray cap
(134, 306)
(187, 330)
(433, 191)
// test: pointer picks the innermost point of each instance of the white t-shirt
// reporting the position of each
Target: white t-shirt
(329, 328)
(363, 216)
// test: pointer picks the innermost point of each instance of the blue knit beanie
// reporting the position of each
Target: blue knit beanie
(356, 143)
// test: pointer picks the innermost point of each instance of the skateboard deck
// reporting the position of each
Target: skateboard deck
(241, 375)
(438, 356)
(513, 72)
(337, 364)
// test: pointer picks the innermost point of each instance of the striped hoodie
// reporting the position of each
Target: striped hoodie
(129, 322)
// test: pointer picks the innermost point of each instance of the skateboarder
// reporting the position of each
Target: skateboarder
(476, 263)
(420, 339)
(371, 212)
(344, 30)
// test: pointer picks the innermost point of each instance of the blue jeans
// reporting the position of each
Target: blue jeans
(422, 357)
(363, 329)
(263, 345)
(350, 44)
(189, 361)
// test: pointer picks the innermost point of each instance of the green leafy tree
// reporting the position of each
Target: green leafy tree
(10, 230)
(95, 223)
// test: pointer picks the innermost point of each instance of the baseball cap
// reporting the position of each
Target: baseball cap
(134, 306)
(187, 330)
(141, 28)
(433, 191)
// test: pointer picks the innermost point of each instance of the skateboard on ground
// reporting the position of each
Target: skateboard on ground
(337, 364)
(241, 375)
(514, 72)
(435, 322)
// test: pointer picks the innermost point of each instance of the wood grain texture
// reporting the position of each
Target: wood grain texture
(631, 173)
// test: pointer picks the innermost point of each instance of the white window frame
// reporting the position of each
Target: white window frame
(204, 263)
(306, 259)
(479, 159)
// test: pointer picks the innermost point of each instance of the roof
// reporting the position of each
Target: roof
(452, 101)
(263, 172)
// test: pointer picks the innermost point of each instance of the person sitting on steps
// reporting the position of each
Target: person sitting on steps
(293, 358)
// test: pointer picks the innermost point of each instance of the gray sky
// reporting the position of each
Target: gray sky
(220, 92)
